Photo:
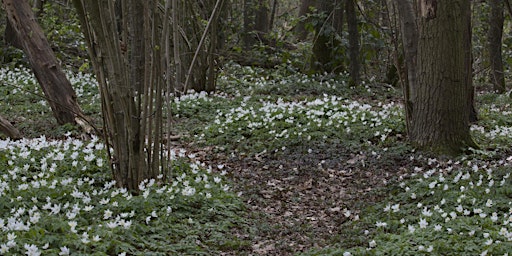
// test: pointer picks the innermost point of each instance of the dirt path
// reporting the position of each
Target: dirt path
(299, 200)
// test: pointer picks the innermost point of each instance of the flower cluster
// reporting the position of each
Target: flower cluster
(56, 196)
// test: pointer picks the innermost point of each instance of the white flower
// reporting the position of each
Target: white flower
(411, 228)
(32, 250)
(423, 223)
(107, 214)
(4, 249)
(372, 244)
(112, 224)
(72, 224)
(381, 224)
(494, 217)
(347, 254)
(437, 227)
(188, 191)
(64, 251)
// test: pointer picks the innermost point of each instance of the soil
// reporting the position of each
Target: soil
(301, 198)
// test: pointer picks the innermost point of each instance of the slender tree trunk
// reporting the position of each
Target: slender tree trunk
(273, 13)
(323, 42)
(56, 87)
(494, 36)
(439, 117)
(136, 66)
(126, 111)
(409, 32)
(353, 39)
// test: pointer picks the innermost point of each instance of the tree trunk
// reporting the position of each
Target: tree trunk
(304, 10)
(494, 36)
(38, 7)
(323, 42)
(443, 92)
(273, 13)
(353, 39)
(136, 108)
(56, 87)
(409, 32)
(256, 21)
(8, 129)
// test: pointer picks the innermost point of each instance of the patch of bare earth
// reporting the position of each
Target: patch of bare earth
(299, 199)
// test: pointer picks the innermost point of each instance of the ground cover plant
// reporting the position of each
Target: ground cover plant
(274, 163)
(57, 196)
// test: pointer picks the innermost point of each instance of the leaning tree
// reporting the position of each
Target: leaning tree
(29, 36)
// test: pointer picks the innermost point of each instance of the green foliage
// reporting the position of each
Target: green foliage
(62, 29)
(57, 196)
(288, 111)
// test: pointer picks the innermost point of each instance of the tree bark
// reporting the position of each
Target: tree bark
(353, 40)
(304, 10)
(443, 97)
(323, 41)
(56, 87)
(256, 21)
(409, 32)
(8, 129)
(494, 37)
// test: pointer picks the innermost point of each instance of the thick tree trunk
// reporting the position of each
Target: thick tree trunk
(8, 129)
(353, 40)
(494, 36)
(439, 118)
(56, 87)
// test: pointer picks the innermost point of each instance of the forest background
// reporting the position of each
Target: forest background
(304, 120)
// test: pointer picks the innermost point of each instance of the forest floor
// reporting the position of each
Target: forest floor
(306, 195)
(315, 167)
(300, 202)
